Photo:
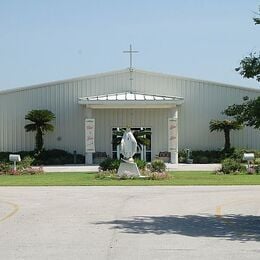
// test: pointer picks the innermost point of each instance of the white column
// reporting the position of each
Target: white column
(173, 135)
(88, 155)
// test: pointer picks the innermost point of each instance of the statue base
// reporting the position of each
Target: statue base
(128, 169)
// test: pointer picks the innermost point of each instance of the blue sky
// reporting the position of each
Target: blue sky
(50, 40)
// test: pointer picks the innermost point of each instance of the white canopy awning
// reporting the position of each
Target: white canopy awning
(130, 100)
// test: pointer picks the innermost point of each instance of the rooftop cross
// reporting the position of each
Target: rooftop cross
(131, 51)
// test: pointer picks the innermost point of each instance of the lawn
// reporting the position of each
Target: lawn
(88, 179)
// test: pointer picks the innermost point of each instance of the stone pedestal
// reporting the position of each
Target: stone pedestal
(128, 169)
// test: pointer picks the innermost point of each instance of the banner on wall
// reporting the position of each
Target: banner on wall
(90, 135)
(172, 134)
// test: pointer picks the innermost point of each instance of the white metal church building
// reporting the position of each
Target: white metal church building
(176, 110)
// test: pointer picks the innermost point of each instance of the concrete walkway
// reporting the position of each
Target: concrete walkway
(170, 167)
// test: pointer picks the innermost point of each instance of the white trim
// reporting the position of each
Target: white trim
(133, 104)
(130, 100)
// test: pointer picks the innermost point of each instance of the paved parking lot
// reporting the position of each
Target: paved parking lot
(130, 222)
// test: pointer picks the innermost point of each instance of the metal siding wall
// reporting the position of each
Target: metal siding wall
(203, 101)
(62, 100)
(106, 119)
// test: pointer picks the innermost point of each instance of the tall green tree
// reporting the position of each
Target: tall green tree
(40, 124)
(250, 65)
(225, 126)
(247, 113)
(257, 19)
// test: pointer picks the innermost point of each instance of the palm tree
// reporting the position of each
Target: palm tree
(226, 126)
(40, 119)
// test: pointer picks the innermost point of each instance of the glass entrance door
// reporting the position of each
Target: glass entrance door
(143, 151)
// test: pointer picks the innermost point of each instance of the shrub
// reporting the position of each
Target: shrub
(56, 157)
(203, 159)
(141, 164)
(237, 154)
(26, 162)
(4, 156)
(109, 165)
(113, 164)
(46, 157)
(232, 166)
(157, 166)
(22, 169)
(182, 156)
(257, 161)
(4, 167)
(158, 175)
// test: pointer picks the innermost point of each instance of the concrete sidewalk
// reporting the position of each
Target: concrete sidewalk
(170, 167)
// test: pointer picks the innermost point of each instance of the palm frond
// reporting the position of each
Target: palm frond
(222, 125)
(47, 127)
(30, 127)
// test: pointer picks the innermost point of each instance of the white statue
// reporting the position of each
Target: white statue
(128, 145)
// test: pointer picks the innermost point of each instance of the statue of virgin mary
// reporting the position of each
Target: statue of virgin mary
(128, 145)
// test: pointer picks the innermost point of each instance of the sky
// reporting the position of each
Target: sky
(50, 40)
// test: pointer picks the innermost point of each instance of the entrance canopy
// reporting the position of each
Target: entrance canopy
(130, 100)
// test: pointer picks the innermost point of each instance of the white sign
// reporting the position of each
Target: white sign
(90, 135)
(172, 134)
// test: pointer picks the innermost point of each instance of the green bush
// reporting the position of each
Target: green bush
(46, 157)
(237, 154)
(4, 156)
(25, 163)
(182, 156)
(232, 166)
(113, 164)
(157, 166)
(109, 164)
(257, 161)
(202, 156)
(57, 157)
(215, 156)
(207, 156)
(141, 164)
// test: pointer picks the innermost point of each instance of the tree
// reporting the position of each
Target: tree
(40, 119)
(247, 113)
(226, 126)
(257, 19)
(250, 65)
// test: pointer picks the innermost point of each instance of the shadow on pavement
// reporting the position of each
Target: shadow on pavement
(231, 227)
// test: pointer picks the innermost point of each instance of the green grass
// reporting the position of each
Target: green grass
(88, 179)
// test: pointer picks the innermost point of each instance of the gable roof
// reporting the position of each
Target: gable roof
(124, 71)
